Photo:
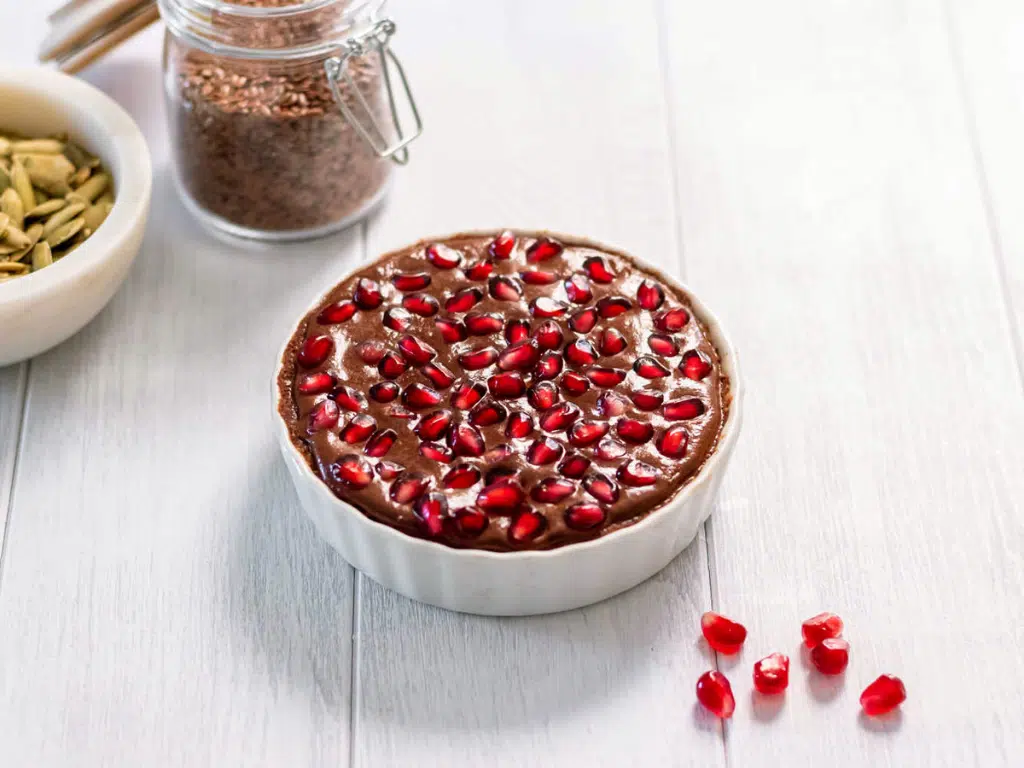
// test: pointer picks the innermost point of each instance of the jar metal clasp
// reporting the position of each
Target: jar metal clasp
(375, 39)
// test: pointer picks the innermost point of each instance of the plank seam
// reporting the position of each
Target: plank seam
(19, 437)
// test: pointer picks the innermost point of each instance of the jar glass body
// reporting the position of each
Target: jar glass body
(260, 148)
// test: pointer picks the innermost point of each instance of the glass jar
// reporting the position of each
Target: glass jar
(282, 121)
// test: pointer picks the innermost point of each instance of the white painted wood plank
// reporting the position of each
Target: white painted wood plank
(12, 397)
(831, 211)
(546, 115)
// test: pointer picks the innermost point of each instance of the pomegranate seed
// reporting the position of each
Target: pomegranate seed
(663, 345)
(519, 357)
(544, 451)
(671, 320)
(464, 300)
(537, 277)
(545, 306)
(542, 250)
(771, 674)
(400, 412)
(452, 331)
(605, 377)
(649, 295)
(601, 488)
(314, 351)
(316, 384)
(724, 635)
(478, 359)
(581, 352)
(831, 656)
(415, 351)
(337, 313)
(507, 385)
(470, 521)
(500, 473)
(821, 627)
(438, 375)
(384, 392)
(584, 433)
(380, 443)
(542, 395)
(519, 425)
(433, 425)
(421, 304)
(583, 321)
(417, 397)
(431, 509)
(647, 399)
(443, 257)
(436, 452)
(466, 440)
(408, 487)
(715, 694)
(633, 431)
(461, 476)
(498, 453)
(613, 306)
(883, 696)
(483, 324)
(487, 413)
(559, 417)
(371, 352)
(358, 429)
(352, 471)
(548, 335)
(650, 368)
(577, 289)
(367, 294)
(526, 527)
(637, 474)
(410, 281)
(611, 404)
(503, 495)
(323, 415)
(680, 410)
(397, 319)
(549, 366)
(574, 466)
(480, 271)
(574, 383)
(516, 331)
(673, 442)
(610, 449)
(501, 247)
(694, 366)
(467, 394)
(552, 490)
(584, 516)
(504, 288)
(612, 342)
(598, 270)
(389, 470)
(349, 399)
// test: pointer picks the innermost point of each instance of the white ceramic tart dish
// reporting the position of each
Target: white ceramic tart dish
(644, 522)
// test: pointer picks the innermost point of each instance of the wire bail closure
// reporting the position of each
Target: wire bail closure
(375, 39)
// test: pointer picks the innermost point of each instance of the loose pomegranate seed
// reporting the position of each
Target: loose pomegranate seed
(415, 351)
(821, 627)
(542, 250)
(466, 440)
(501, 247)
(504, 288)
(384, 392)
(574, 383)
(487, 413)
(649, 295)
(549, 366)
(397, 319)
(410, 281)
(516, 331)
(461, 476)
(400, 412)
(483, 324)
(577, 289)
(694, 366)
(436, 452)
(526, 527)
(605, 377)
(715, 694)
(673, 442)
(467, 394)
(337, 313)
(519, 425)
(552, 490)
(452, 331)
(408, 487)
(581, 352)
(316, 384)
(831, 656)
(598, 270)
(371, 352)
(507, 385)
(548, 335)
(438, 375)
(443, 257)
(662, 344)
(681, 410)
(574, 466)
(433, 425)
(771, 674)
(650, 368)
(323, 415)
(421, 304)
(610, 449)
(633, 431)
(583, 321)
(537, 277)
(519, 357)
(480, 271)
(545, 306)
(647, 399)
(724, 635)
(352, 471)
(636, 474)
(503, 495)
(584, 516)
(314, 351)
(612, 342)
(358, 429)
(883, 696)
(613, 306)
(464, 300)
(349, 399)
(611, 404)
(559, 417)
(601, 488)
(478, 359)
(380, 443)
(544, 451)
(389, 470)
(542, 395)
(494, 474)
(584, 433)
(470, 521)
(431, 509)
(367, 294)
(417, 397)
(671, 320)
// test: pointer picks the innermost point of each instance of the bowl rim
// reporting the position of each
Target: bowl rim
(133, 180)
(714, 464)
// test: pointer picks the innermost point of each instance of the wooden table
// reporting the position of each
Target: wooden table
(842, 181)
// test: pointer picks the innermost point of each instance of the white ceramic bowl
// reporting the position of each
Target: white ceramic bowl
(530, 582)
(40, 310)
